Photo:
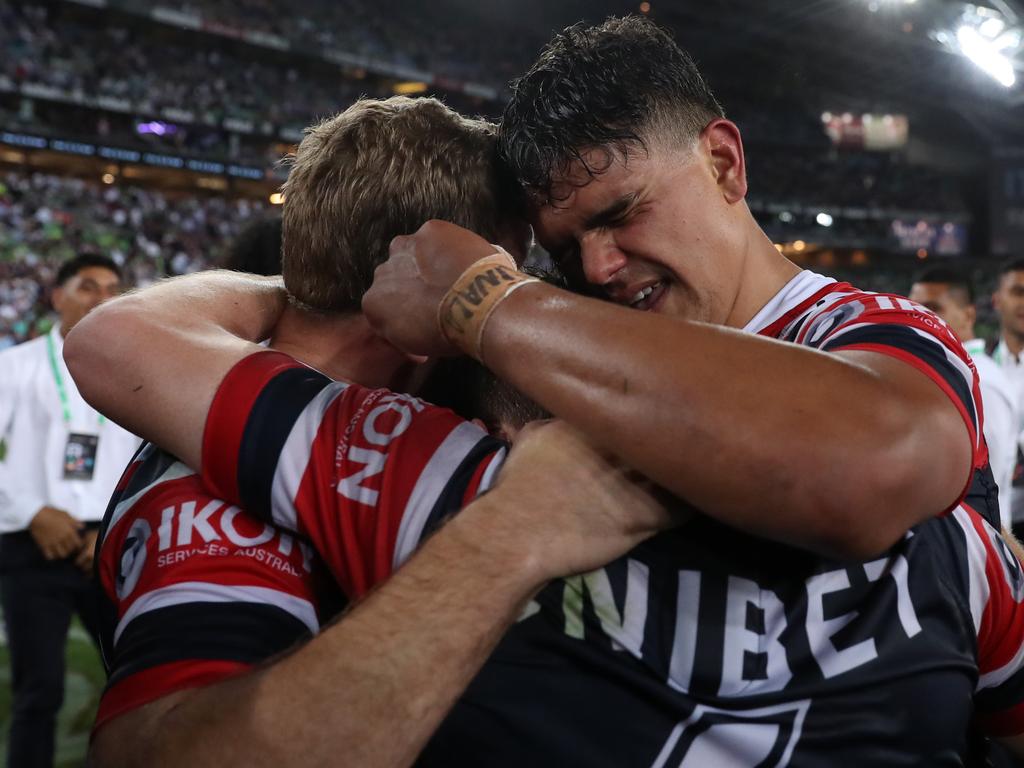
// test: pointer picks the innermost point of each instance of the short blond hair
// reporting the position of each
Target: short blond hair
(375, 171)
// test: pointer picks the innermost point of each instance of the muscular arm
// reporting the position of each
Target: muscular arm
(151, 360)
(837, 453)
(371, 689)
(368, 691)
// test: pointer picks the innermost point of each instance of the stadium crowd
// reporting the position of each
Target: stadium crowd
(440, 38)
(46, 219)
(118, 62)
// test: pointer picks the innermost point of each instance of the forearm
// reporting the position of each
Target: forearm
(368, 691)
(779, 440)
(151, 360)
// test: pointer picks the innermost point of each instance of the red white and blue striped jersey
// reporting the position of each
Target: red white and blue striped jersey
(703, 646)
(195, 589)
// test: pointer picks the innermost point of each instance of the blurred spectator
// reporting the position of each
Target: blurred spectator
(44, 220)
(62, 463)
(1008, 300)
(950, 295)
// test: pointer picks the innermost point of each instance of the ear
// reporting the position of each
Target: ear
(721, 139)
(972, 314)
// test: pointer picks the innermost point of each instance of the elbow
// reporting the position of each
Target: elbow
(895, 491)
(878, 495)
(853, 537)
(89, 348)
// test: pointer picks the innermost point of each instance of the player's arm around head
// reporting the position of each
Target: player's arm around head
(151, 360)
(839, 453)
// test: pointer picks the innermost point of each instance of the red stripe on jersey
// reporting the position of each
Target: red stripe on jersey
(375, 464)
(372, 451)
(229, 411)
(919, 318)
(777, 326)
(1001, 633)
(127, 475)
(225, 547)
(155, 683)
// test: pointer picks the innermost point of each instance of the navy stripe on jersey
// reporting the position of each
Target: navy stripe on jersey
(1007, 695)
(148, 463)
(904, 338)
(983, 496)
(242, 632)
(453, 497)
(275, 412)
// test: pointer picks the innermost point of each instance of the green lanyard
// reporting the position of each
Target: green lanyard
(59, 380)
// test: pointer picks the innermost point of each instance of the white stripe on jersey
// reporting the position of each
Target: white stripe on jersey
(884, 302)
(978, 588)
(294, 456)
(491, 473)
(206, 592)
(791, 295)
(176, 471)
(430, 484)
(1004, 673)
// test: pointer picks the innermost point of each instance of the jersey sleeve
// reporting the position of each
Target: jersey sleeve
(996, 597)
(192, 589)
(363, 474)
(899, 328)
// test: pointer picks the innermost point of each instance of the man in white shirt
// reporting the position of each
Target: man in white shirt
(950, 295)
(1008, 300)
(62, 464)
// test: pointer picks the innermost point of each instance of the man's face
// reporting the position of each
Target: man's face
(1009, 301)
(85, 291)
(947, 302)
(656, 231)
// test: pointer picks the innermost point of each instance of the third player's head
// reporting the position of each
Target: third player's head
(949, 293)
(633, 171)
(1008, 299)
(377, 170)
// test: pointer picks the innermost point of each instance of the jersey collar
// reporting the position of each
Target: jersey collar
(791, 296)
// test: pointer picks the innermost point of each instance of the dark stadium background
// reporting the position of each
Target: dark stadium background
(152, 131)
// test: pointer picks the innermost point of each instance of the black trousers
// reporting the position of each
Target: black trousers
(38, 598)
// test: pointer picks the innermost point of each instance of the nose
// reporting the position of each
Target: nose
(600, 258)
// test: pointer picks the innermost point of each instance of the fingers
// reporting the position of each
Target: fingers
(61, 543)
(84, 559)
(68, 544)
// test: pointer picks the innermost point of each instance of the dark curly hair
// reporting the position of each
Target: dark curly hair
(612, 86)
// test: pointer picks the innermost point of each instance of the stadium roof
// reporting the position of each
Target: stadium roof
(862, 55)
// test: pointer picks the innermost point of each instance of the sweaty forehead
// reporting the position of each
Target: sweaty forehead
(578, 194)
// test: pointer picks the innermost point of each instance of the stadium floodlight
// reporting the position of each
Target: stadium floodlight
(989, 40)
(986, 56)
(824, 219)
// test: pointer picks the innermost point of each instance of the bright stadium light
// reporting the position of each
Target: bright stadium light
(824, 219)
(984, 53)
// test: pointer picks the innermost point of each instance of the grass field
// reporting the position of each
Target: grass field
(83, 684)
